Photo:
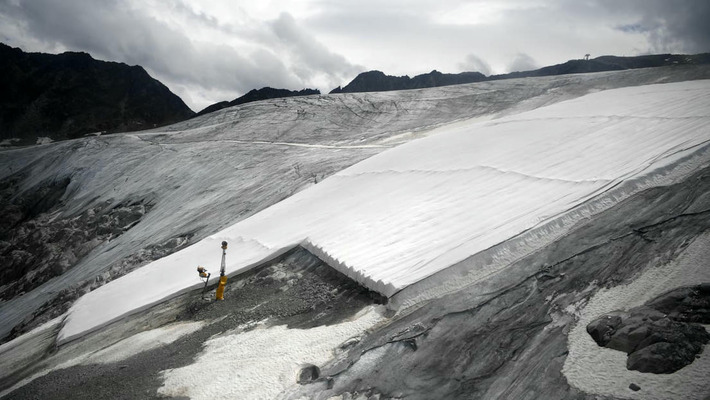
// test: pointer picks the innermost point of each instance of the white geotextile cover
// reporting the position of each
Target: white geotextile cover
(409, 212)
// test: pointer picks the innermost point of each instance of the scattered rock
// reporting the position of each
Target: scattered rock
(634, 387)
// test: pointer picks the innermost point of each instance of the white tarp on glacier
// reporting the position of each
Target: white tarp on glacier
(407, 213)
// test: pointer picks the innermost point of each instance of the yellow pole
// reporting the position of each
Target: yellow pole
(222, 277)
(220, 288)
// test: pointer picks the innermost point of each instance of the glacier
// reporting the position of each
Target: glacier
(412, 211)
(205, 174)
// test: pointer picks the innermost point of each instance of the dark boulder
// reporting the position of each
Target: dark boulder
(660, 337)
(307, 373)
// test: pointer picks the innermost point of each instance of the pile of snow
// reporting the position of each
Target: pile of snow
(412, 211)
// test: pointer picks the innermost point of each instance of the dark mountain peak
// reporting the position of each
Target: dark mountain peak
(376, 81)
(69, 95)
(270, 93)
(264, 93)
(371, 74)
(5, 48)
(77, 54)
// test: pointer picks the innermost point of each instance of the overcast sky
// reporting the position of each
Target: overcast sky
(211, 50)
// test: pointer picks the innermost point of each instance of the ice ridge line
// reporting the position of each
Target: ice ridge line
(474, 168)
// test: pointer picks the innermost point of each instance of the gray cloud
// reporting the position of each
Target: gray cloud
(310, 57)
(671, 26)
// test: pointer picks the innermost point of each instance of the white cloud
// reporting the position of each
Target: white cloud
(474, 63)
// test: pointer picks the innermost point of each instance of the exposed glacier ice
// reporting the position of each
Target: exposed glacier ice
(412, 211)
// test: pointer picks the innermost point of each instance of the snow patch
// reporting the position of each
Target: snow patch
(261, 363)
(602, 371)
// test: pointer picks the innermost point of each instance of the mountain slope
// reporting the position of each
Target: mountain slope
(508, 321)
(70, 95)
(243, 159)
(240, 160)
